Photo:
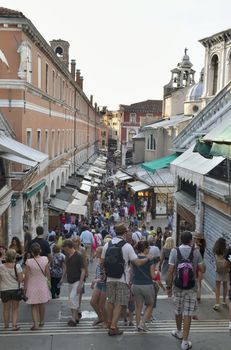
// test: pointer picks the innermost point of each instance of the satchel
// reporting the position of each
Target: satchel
(19, 293)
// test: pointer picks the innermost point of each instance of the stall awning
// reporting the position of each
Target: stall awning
(192, 166)
(137, 186)
(122, 176)
(58, 204)
(87, 177)
(99, 170)
(85, 188)
(74, 208)
(154, 165)
(81, 198)
(94, 173)
(20, 153)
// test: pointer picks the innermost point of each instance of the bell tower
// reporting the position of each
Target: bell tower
(61, 48)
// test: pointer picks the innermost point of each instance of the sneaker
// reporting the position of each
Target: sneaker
(216, 307)
(115, 331)
(142, 328)
(177, 334)
(186, 345)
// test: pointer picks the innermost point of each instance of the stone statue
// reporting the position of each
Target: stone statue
(22, 50)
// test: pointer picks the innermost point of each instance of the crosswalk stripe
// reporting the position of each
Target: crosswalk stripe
(86, 328)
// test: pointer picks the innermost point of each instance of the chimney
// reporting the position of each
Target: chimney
(73, 64)
(77, 76)
(81, 82)
(91, 99)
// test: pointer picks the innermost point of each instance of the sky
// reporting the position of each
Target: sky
(125, 49)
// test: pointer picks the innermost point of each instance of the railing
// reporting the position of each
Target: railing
(215, 109)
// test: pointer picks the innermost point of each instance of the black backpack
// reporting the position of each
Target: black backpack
(114, 261)
(185, 278)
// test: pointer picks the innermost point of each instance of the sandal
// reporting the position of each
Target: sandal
(71, 323)
(96, 322)
(41, 324)
(15, 328)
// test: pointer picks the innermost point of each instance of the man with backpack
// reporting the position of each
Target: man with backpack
(184, 261)
(115, 259)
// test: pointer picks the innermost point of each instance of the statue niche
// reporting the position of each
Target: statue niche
(23, 51)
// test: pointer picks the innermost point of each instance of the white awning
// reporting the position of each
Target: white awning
(100, 164)
(17, 159)
(122, 176)
(192, 167)
(87, 177)
(11, 147)
(99, 170)
(85, 182)
(137, 186)
(85, 188)
(94, 173)
(98, 181)
(81, 197)
(73, 208)
(58, 204)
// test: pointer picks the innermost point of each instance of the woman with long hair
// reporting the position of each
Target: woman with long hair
(17, 246)
(37, 276)
(10, 278)
(163, 267)
(222, 272)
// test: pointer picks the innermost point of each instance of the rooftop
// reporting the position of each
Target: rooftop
(151, 106)
(173, 121)
(5, 12)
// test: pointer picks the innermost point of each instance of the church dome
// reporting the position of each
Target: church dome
(195, 92)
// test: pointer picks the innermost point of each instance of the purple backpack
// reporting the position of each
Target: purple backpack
(185, 277)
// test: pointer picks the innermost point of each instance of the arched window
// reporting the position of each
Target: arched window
(214, 65)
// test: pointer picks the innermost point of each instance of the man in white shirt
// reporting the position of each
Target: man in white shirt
(117, 288)
(136, 235)
(87, 239)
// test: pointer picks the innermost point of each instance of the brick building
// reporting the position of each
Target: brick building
(44, 103)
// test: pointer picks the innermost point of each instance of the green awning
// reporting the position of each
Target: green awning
(34, 189)
(160, 163)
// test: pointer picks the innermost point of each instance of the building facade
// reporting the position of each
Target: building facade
(133, 117)
(202, 201)
(44, 103)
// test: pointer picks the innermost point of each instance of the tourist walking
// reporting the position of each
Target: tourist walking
(228, 264)
(75, 272)
(164, 257)
(116, 256)
(184, 261)
(222, 271)
(37, 277)
(142, 287)
(56, 270)
(10, 278)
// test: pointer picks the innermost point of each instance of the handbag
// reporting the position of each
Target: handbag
(47, 279)
(19, 293)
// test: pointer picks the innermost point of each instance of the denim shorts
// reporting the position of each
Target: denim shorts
(101, 286)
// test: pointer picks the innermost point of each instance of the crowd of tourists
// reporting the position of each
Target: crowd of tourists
(133, 261)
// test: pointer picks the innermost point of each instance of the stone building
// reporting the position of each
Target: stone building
(47, 109)
(133, 117)
(202, 200)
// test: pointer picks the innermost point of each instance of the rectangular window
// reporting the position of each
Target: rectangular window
(47, 78)
(29, 138)
(53, 144)
(53, 83)
(59, 88)
(47, 141)
(58, 142)
(63, 91)
(63, 141)
(132, 118)
(39, 72)
(38, 144)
